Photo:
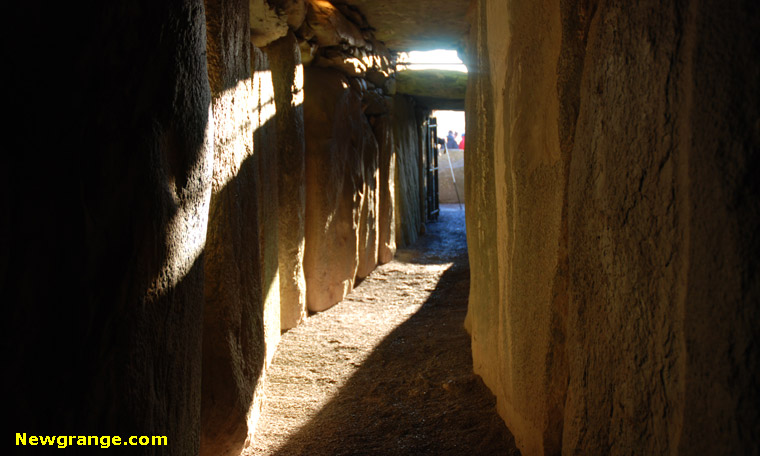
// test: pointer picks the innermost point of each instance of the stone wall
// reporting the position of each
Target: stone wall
(238, 277)
(105, 210)
(338, 136)
(610, 149)
(154, 231)
(410, 212)
(352, 181)
(295, 213)
(383, 129)
(287, 75)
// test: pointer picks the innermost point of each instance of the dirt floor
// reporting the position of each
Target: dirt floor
(388, 371)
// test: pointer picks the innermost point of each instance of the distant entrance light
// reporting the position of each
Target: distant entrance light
(450, 121)
(440, 59)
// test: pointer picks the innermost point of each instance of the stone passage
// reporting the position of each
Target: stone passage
(163, 219)
(386, 371)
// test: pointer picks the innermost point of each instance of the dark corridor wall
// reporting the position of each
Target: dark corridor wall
(106, 184)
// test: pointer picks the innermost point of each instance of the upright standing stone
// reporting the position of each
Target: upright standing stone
(266, 152)
(287, 76)
(383, 129)
(368, 223)
(409, 213)
(105, 209)
(337, 135)
(234, 348)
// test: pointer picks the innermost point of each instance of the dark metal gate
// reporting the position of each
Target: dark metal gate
(431, 162)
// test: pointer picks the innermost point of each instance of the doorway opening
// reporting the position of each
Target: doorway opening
(451, 155)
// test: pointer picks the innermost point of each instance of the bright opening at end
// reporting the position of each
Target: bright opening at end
(450, 121)
(439, 59)
(451, 125)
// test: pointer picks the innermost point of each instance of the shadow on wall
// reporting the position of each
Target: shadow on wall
(242, 312)
(107, 216)
(234, 338)
(104, 227)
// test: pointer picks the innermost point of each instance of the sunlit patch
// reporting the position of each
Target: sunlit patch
(297, 88)
(437, 267)
(263, 90)
(232, 122)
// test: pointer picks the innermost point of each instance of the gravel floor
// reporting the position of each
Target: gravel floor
(388, 371)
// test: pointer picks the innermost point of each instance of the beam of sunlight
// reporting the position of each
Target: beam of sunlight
(236, 119)
(439, 59)
(297, 88)
(272, 316)
(232, 137)
(263, 91)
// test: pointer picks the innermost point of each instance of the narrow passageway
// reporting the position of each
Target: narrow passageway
(388, 370)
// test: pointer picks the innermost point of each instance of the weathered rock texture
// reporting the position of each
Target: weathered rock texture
(266, 139)
(237, 273)
(435, 89)
(273, 19)
(287, 76)
(416, 25)
(105, 209)
(338, 138)
(368, 221)
(383, 128)
(143, 257)
(410, 214)
(612, 223)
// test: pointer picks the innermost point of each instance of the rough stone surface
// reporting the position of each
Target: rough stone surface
(409, 212)
(234, 347)
(368, 221)
(287, 76)
(273, 19)
(610, 169)
(338, 137)
(104, 212)
(678, 219)
(519, 198)
(293, 10)
(443, 104)
(266, 145)
(417, 25)
(266, 22)
(327, 26)
(383, 128)
(440, 89)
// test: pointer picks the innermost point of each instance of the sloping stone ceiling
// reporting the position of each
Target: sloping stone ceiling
(434, 89)
(416, 24)
(359, 37)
